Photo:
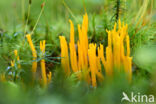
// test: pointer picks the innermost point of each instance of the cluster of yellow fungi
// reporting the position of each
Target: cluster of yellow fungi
(85, 62)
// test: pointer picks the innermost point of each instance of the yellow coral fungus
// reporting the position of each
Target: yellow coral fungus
(17, 57)
(83, 43)
(12, 63)
(73, 56)
(92, 62)
(43, 67)
(34, 53)
(64, 55)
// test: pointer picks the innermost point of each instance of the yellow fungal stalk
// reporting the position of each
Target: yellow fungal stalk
(17, 57)
(64, 55)
(93, 63)
(83, 43)
(43, 67)
(12, 63)
(101, 54)
(34, 53)
(73, 56)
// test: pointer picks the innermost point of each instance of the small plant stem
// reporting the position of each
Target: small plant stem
(69, 10)
(37, 20)
(29, 7)
(23, 11)
(84, 6)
